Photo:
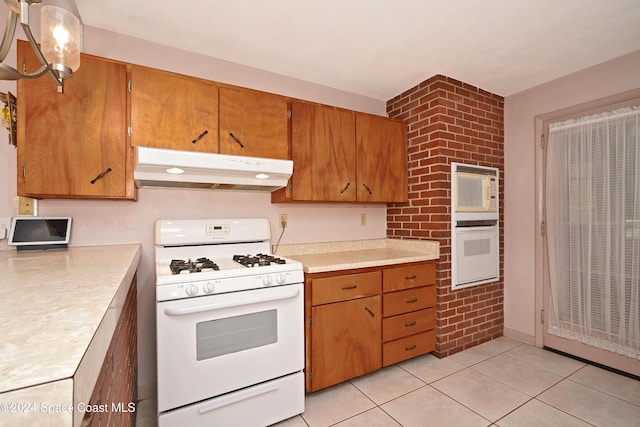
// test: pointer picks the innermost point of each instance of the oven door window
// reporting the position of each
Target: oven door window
(233, 334)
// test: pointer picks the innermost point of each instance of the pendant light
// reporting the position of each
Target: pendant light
(60, 32)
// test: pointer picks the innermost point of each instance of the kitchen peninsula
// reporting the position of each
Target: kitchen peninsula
(68, 323)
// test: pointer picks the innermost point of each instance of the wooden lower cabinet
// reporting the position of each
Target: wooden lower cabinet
(345, 340)
(361, 320)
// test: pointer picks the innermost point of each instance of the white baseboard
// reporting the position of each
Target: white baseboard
(519, 336)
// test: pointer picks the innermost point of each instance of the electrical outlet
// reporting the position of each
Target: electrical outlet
(282, 221)
(363, 219)
(26, 206)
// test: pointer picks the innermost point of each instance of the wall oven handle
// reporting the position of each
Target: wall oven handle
(469, 229)
(237, 397)
(289, 293)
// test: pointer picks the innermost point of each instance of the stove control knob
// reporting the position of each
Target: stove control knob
(267, 280)
(192, 290)
(209, 288)
(280, 279)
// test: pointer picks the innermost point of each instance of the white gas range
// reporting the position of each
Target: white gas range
(230, 328)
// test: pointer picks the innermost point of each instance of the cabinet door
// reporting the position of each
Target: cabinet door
(173, 111)
(253, 123)
(323, 152)
(381, 149)
(74, 144)
(345, 341)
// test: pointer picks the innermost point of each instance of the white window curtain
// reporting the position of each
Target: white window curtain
(593, 230)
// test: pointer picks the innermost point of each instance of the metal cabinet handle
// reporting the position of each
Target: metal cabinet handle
(368, 189)
(410, 324)
(100, 175)
(411, 347)
(369, 311)
(411, 277)
(345, 188)
(199, 137)
(412, 300)
(347, 288)
(236, 139)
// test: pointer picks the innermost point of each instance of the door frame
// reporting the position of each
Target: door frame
(542, 339)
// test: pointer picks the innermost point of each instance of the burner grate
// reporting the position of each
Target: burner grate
(258, 260)
(180, 266)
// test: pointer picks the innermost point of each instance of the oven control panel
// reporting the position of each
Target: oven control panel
(230, 284)
(217, 230)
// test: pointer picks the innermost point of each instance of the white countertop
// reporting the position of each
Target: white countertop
(51, 304)
(347, 255)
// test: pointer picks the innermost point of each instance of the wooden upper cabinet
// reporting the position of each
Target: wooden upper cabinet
(253, 123)
(323, 153)
(381, 150)
(174, 111)
(74, 144)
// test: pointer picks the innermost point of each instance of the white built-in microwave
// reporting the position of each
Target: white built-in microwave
(474, 188)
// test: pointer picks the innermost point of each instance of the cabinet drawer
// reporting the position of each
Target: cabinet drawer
(409, 300)
(395, 279)
(408, 347)
(407, 324)
(345, 287)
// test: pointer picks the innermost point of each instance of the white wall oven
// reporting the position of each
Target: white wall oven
(475, 245)
(230, 329)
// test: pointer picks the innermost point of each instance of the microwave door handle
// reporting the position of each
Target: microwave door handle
(487, 199)
(238, 302)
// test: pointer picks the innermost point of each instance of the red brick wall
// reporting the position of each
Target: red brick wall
(450, 121)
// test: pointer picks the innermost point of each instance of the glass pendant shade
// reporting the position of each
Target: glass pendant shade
(60, 38)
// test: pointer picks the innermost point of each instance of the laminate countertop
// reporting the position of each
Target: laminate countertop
(58, 312)
(347, 255)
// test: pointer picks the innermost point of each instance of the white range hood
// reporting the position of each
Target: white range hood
(157, 167)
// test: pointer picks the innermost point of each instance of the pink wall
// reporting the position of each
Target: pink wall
(112, 222)
(523, 244)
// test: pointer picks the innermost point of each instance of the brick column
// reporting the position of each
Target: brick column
(450, 121)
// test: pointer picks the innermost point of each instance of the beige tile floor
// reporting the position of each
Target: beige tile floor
(500, 383)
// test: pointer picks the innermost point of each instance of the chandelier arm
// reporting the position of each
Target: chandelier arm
(10, 73)
(9, 32)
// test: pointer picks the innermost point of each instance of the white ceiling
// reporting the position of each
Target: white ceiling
(380, 48)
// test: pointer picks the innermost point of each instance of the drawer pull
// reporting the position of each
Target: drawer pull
(369, 311)
(410, 324)
(411, 347)
(411, 277)
(348, 288)
(412, 300)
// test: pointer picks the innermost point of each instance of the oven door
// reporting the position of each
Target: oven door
(216, 344)
(475, 255)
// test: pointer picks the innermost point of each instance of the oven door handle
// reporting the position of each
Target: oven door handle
(470, 229)
(236, 302)
(237, 397)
